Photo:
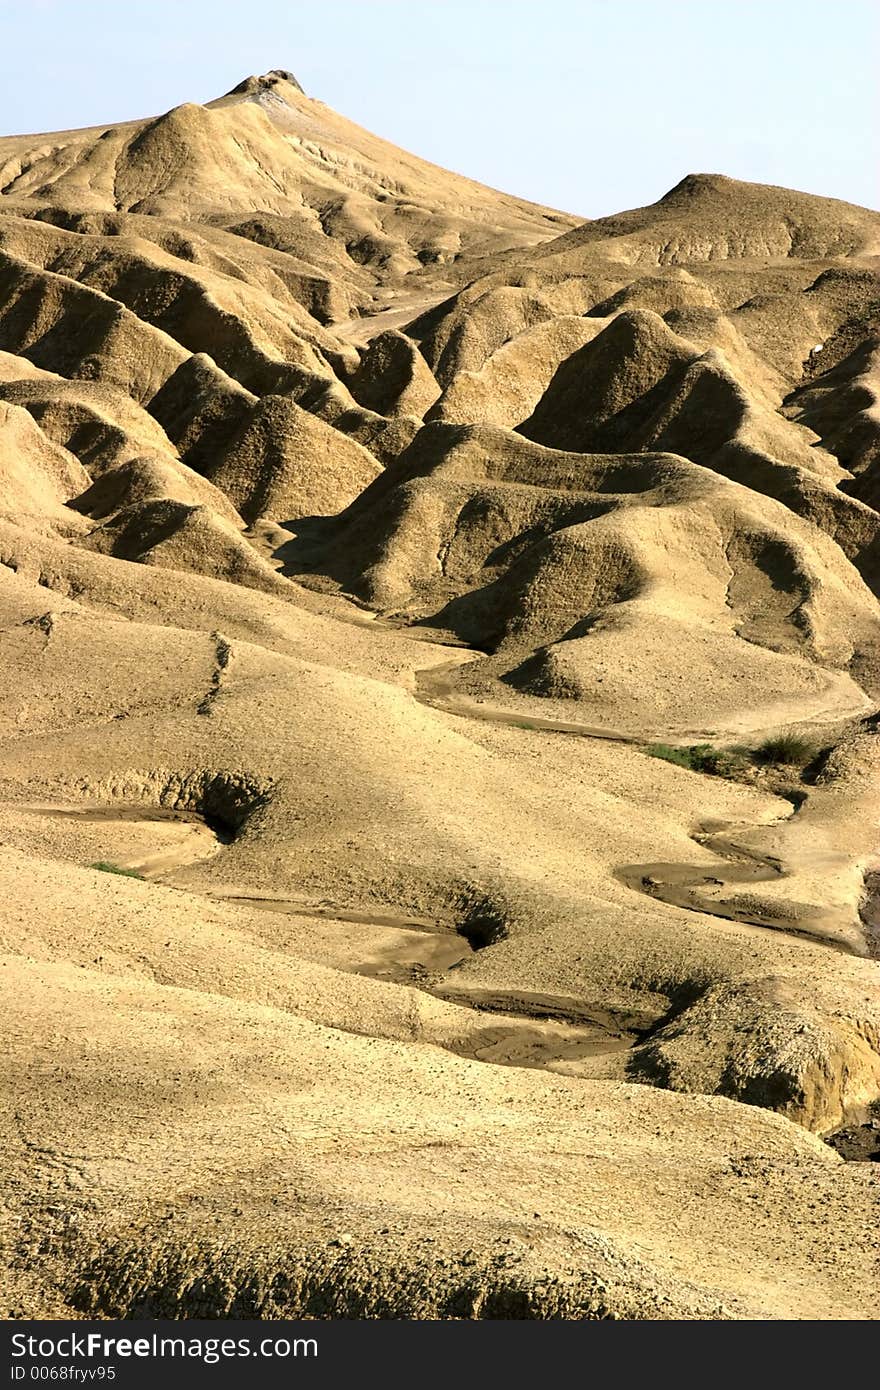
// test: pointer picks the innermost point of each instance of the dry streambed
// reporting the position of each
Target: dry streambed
(521, 1028)
(698, 888)
(706, 889)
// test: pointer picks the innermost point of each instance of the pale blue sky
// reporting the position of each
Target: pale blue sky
(587, 105)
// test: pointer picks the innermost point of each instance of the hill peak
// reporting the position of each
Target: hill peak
(265, 82)
(697, 186)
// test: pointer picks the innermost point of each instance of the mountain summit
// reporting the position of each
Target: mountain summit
(268, 82)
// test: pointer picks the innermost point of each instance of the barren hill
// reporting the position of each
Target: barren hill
(439, 736)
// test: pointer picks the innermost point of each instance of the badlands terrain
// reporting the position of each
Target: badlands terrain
(439, 753)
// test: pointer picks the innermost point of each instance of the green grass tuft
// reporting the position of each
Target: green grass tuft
(789, 749)
(785, 750)
(700, 757)
(680, 756)
(107, 868)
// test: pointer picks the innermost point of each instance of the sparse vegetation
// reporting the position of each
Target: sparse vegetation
(781, 751)
(790, 749)
(702, 757)
(107, 868)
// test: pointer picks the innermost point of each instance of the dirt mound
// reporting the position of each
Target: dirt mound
(284, 462)
(640, 386)
(603, 394)
(38, 477)
(182, 536)
(513, 379)
(252, 333)
(516, 547)
(267, 149)
(151, 478)
(842, 406)
(393, 378)
(711, 217)
(62, 326)
(101, 424)
(199, 407)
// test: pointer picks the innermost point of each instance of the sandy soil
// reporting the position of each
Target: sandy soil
(362, 531)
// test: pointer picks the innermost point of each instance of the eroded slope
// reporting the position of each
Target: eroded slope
(362, 531)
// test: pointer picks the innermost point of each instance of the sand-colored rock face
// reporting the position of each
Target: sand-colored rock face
(362, 532)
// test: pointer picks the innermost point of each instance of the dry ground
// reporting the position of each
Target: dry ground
(365, 535)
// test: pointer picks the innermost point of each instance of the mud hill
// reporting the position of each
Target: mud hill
(439, 740)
